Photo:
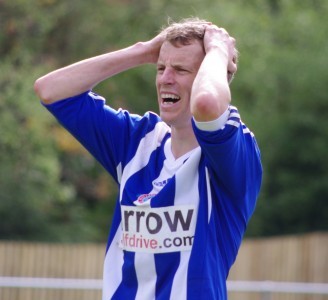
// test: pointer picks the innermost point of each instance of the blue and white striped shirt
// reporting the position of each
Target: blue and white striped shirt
(178, 223)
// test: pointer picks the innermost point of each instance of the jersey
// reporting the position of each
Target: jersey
(178, 223)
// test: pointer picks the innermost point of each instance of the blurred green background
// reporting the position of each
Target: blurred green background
(52, 190)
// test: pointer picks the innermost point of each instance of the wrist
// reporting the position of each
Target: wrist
(145, 53)
(218, 55)
(219, 48)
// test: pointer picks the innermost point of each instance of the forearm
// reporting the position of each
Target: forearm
(210, 95)
(84, 75)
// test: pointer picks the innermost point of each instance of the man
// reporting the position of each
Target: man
(188, 180)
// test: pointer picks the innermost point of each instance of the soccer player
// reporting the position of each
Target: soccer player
(188, 179)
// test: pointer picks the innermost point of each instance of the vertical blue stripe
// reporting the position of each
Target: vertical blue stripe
(198, 254)
(129, 285)
(166, 266)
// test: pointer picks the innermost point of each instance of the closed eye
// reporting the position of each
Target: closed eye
(181, 70)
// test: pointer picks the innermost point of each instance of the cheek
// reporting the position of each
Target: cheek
(187, 86)
(157, 86)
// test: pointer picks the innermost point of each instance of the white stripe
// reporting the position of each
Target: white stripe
(234, 115)
(95, 96)
(179, 286)
(113, 262)
(186, 193)
(186, 178)
(144, 264)
(146, 274)
(119, 172)
(246, 130)
(233, 123)
(209, 195)
(145, 148)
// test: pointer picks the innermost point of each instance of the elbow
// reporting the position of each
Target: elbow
(206, 107)
(42, 91)
(39, 88)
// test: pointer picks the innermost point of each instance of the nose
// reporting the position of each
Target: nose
(166, 76)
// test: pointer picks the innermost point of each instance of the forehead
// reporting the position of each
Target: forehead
(187, 54)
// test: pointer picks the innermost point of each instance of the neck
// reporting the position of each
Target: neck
(183, 140)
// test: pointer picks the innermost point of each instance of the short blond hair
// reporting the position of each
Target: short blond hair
(185, 31)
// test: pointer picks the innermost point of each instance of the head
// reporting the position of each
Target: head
(179, 60)
(188, 31)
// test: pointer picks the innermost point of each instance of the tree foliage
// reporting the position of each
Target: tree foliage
(51, 189)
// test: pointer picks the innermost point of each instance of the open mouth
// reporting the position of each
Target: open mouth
(170, 99)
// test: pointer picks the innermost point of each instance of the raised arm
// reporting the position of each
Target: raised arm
(84, 75)
(210, 95)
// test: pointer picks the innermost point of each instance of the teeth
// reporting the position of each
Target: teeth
(168, 103)
(169, 99)
(170, 96)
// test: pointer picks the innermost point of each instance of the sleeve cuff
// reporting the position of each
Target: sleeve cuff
(214, 125)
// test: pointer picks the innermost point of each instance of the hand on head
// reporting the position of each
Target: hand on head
(155, 45)
(216, 37)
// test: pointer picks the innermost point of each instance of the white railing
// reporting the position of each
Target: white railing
(278, 287)
(51, 283)
(264, 287)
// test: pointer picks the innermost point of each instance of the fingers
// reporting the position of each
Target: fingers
(153, 47)
(218, 37)
(232, 65)
(215, 34)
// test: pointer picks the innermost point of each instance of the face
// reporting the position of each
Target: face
(177, 68)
